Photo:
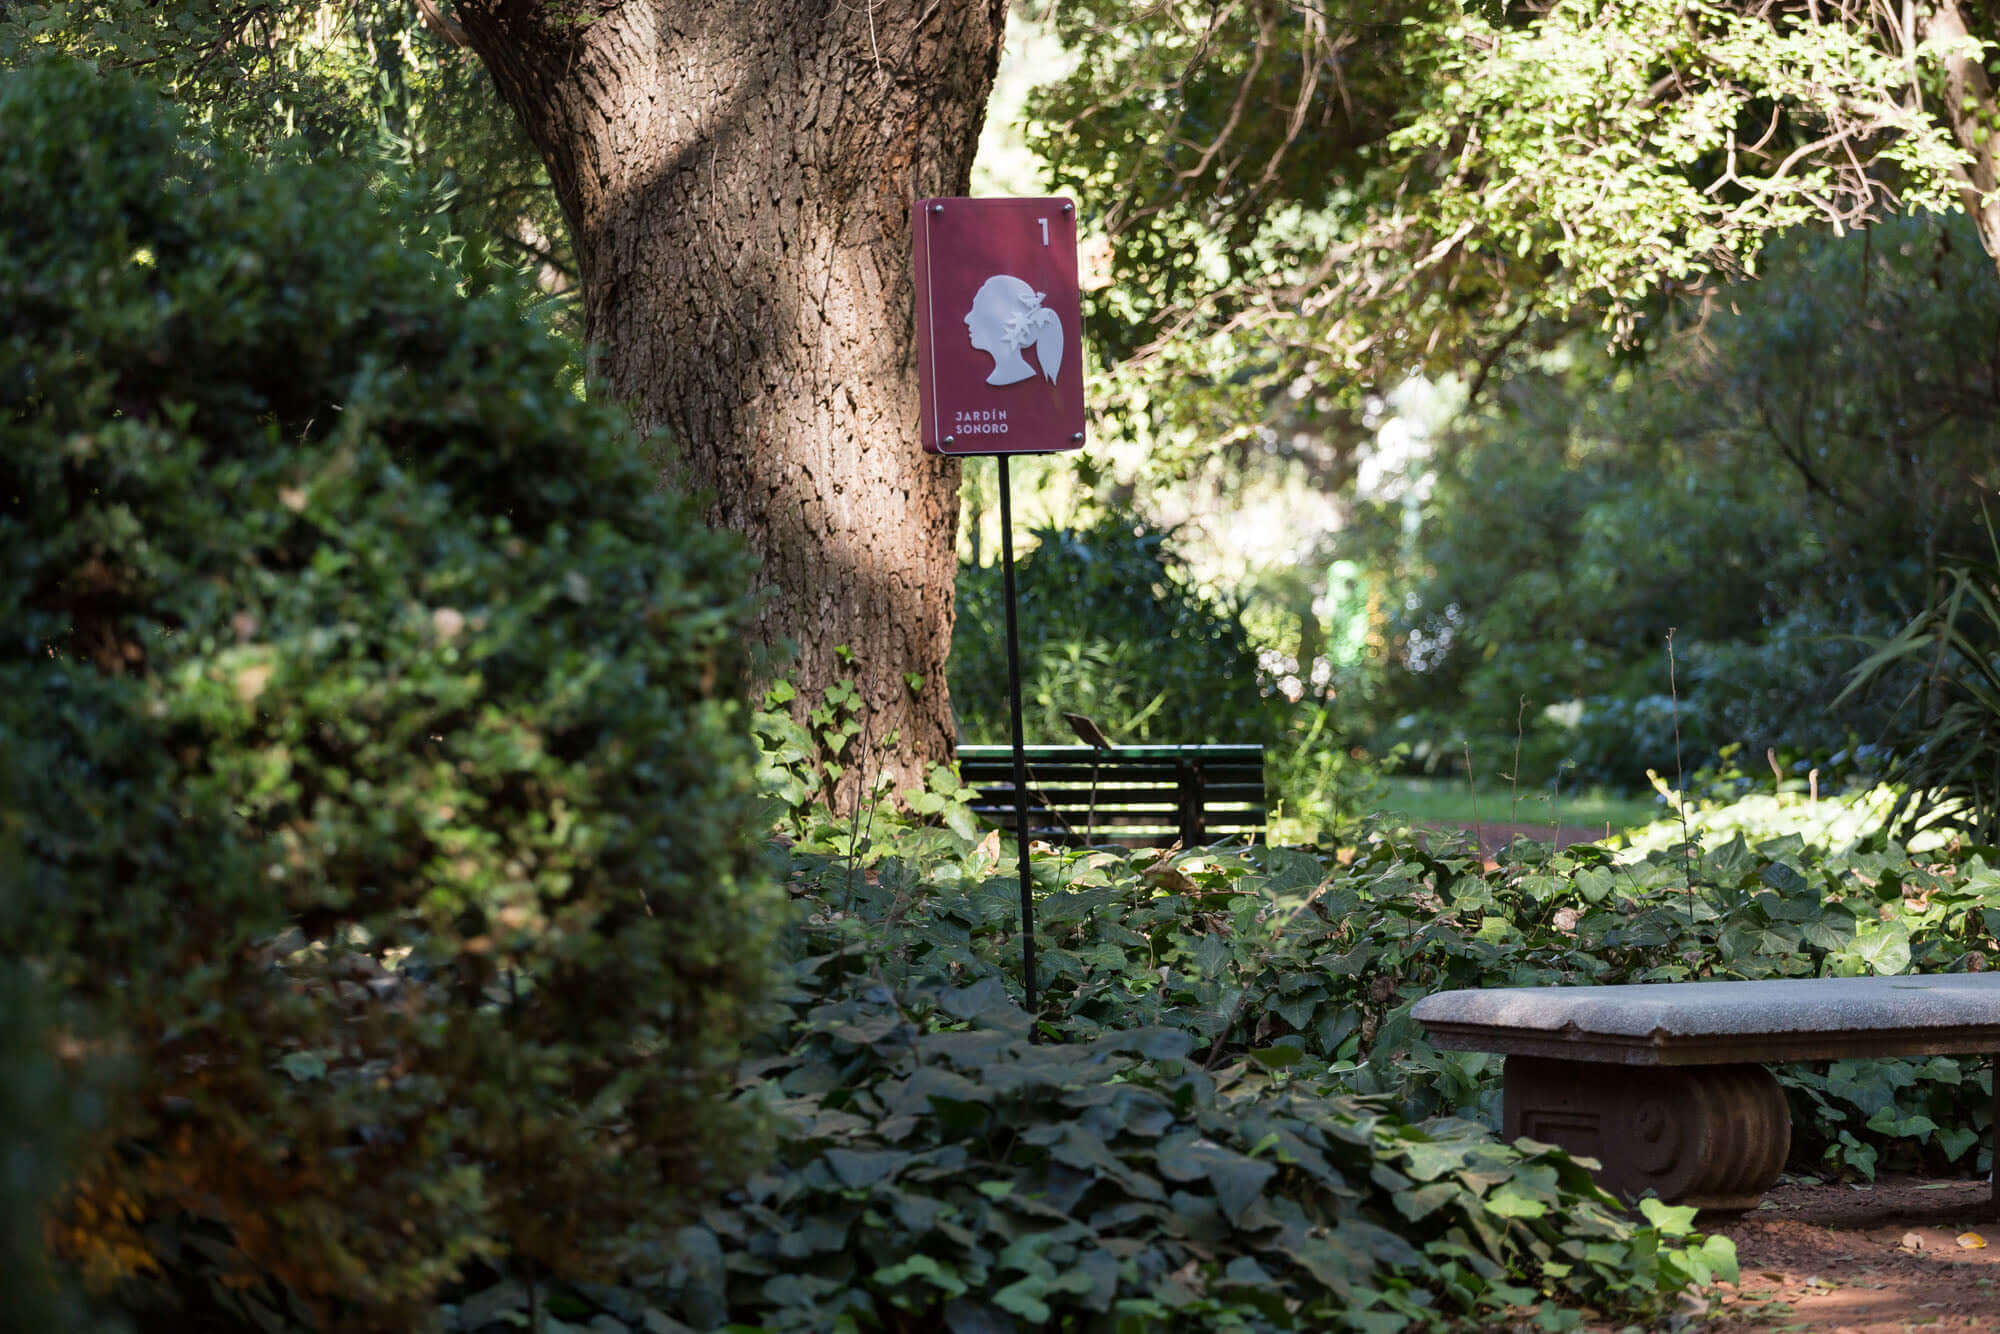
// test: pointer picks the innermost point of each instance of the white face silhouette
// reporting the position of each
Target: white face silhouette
(1007, 316)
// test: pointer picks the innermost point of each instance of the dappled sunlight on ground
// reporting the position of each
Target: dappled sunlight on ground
(1903, 1254)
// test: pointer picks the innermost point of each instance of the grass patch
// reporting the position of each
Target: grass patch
(1439, 801)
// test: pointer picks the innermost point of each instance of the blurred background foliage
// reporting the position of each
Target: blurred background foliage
(1112, 627)
(1456, 522)
(1772, 487)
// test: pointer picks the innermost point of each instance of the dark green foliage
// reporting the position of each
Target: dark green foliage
(936, 1161)
(36, 1110)
(1226, 1050)
(1947, 734)
(393, 801)
(1734, 490)
(1274, 986)
(1111, 627)
(1159, 1159)
(367, 80)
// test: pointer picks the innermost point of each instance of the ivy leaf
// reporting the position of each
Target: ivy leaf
(1426, 1161)
(1280, 1056)
(1023, 1298)
(1785, 879)
(1417, 1205)
(1886, 952)
(1890, 1122)
(1213, 955)
(924, 1267)
(857, 1170)
(1237, 1180)
(1595, 884)
(1673, 1220)
(1509, 1202)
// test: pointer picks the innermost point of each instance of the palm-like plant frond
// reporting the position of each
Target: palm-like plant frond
(1948, 756)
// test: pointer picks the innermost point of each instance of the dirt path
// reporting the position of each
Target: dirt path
(1843, 1259)
(1900, 1255)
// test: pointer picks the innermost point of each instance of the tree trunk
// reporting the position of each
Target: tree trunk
(1970, 111)
(738, 176)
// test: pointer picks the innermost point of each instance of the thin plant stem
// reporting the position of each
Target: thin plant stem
(520, 1137)
(1514, 807)
(1680, 784)
(855, 833)
(1555, 811)
(1472, 787)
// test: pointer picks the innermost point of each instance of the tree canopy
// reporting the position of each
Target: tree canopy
(1348, 196)
(377, 80)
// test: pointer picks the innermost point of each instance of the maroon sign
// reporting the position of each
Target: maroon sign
(999, 325)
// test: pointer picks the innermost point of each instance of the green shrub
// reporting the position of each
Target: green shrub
(394, 805)
(1111, 627)
(39, 1110)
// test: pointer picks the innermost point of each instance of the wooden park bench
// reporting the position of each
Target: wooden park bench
(1665, 1084)
(1133, 796)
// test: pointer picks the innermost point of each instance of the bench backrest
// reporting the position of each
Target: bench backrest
(1144, 796)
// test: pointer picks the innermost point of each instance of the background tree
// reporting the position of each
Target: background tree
(1306, 199)
(1788, 478)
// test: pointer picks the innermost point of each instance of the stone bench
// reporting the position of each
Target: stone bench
(1664, 1082)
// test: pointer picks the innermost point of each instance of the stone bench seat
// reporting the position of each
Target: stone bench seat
(1664, 1082)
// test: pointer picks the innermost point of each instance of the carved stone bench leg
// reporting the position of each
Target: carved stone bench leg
(1709, 1135)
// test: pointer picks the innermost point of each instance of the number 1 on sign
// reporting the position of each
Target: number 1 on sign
(1045, 229)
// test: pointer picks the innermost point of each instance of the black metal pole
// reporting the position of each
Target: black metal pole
(1020, 744)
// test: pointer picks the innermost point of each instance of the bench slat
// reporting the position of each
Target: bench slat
(1245, 752)
(1142, 795)
(1213, 795)
(1051, 775)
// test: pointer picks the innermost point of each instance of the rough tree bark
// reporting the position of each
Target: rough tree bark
(738, 177)
(1969, 110)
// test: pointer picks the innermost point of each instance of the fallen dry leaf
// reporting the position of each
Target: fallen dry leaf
(1169, 878)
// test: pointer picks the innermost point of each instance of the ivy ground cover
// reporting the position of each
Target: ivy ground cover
(1220, 1115)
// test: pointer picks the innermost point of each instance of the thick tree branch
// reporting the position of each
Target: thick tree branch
(441, 24)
